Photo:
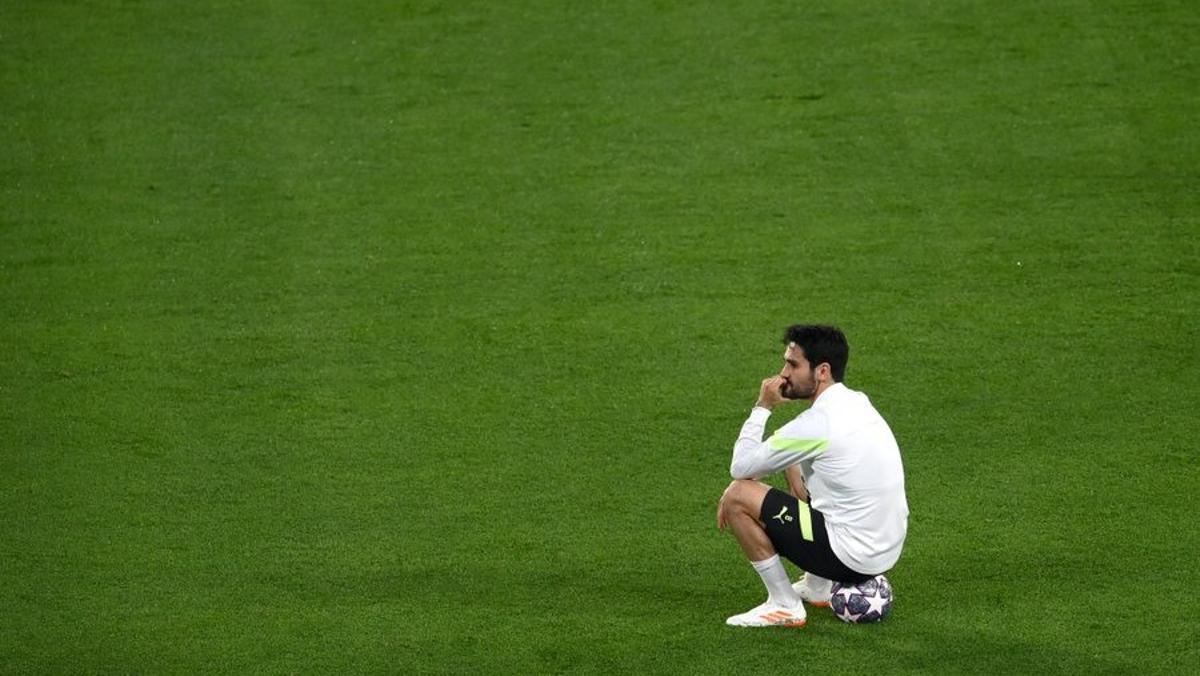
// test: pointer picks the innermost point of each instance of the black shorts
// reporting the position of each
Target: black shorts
(798, 533)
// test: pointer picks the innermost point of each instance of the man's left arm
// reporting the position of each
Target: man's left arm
(795, 480)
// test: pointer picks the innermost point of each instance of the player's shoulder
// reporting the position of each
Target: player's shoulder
(841, 399)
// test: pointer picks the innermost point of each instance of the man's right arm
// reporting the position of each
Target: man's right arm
(801, 439)
(748, 450)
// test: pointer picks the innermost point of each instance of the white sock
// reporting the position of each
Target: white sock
(818, 584)
(774, 576)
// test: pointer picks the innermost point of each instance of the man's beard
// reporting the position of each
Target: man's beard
(800, 390)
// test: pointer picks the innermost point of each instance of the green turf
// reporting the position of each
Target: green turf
(414, 337)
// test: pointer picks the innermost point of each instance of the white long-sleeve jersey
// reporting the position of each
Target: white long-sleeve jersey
(851, 466)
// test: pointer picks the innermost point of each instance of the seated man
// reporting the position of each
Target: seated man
(848, 516)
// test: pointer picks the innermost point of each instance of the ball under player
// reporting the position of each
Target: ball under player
(847, 515)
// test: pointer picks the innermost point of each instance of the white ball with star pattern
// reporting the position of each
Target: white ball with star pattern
(869, 601)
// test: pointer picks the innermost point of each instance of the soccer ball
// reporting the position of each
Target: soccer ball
(869, 601)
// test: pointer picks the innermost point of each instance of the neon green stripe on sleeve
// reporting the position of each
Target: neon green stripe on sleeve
(782, 444)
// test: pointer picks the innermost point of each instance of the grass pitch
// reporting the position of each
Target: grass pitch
(414, 338)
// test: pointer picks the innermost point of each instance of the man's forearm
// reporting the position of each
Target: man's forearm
(747, 451)
(795, 480)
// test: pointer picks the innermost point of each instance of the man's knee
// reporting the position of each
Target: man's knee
(745, 495)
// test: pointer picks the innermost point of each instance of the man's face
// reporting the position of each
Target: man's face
(800, 382)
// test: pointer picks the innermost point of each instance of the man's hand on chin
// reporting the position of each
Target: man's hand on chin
(770, 394)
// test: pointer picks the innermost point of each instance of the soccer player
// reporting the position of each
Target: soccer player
(846, 516)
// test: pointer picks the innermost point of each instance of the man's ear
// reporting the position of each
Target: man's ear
(825, 371)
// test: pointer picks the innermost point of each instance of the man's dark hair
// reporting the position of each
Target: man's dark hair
(821, 345)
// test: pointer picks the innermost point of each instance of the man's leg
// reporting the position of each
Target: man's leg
(814, 589)
(741, 509)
